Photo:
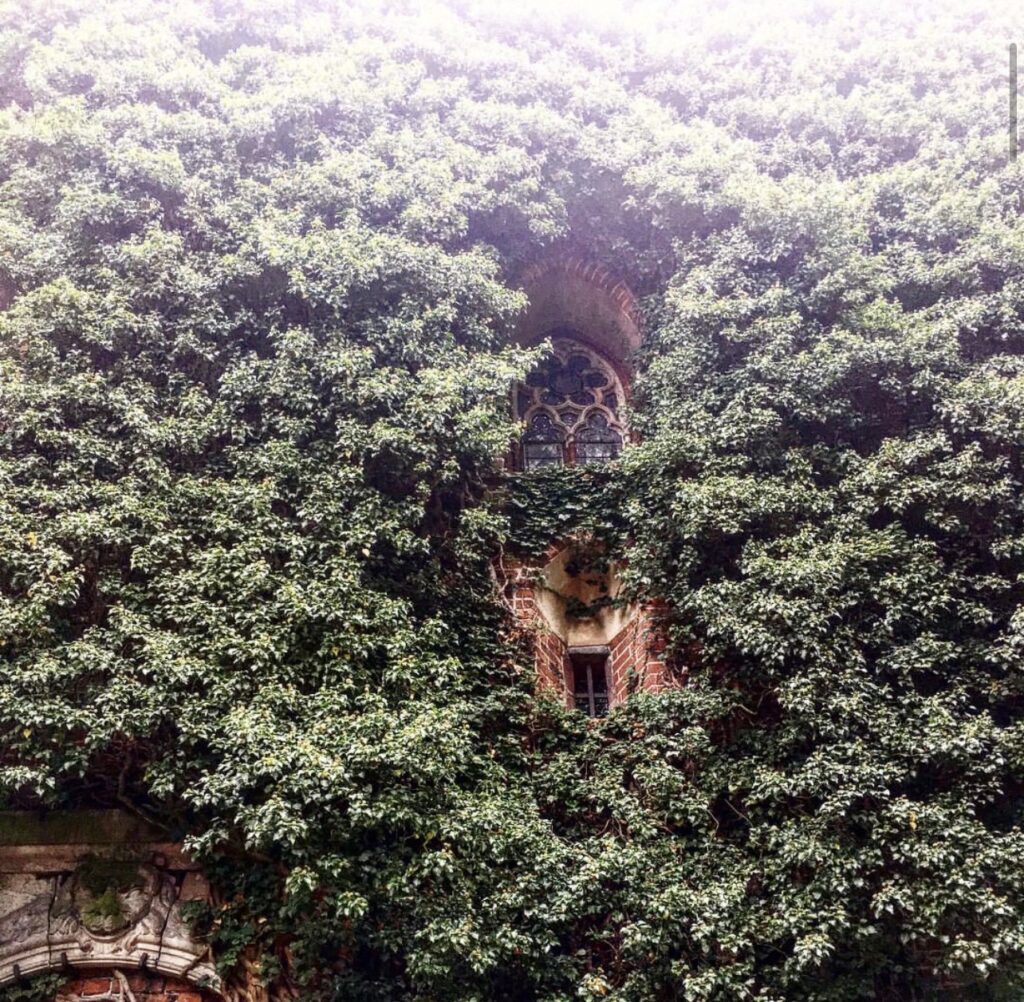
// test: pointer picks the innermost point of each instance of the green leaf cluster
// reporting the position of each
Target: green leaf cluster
(258, 298)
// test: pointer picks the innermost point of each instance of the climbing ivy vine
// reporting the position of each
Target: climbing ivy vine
(258, 290)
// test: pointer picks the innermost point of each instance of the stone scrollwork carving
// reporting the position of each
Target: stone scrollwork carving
(24, 923)
(103, 913)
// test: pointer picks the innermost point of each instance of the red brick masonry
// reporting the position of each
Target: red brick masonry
(596, 274)
(116, 986)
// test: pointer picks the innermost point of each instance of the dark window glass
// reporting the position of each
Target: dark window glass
(543, 443)
(566, 380)
(596, 442)
(590, 684)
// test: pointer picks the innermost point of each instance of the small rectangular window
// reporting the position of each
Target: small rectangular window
(590, 683)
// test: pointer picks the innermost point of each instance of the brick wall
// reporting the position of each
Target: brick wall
(636, 656)
(117, 986)
(549, 651)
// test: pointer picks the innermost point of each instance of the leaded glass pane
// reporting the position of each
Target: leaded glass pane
(543, 443)
(596, 442)
(582, 397)
(536, 454)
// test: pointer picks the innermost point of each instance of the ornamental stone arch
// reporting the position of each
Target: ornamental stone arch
(98, 896)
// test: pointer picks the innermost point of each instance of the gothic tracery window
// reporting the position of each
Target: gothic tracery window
(569, 407)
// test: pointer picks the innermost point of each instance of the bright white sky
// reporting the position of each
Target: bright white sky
(662, 20)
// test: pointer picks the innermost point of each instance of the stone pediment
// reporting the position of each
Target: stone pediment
(96, 889)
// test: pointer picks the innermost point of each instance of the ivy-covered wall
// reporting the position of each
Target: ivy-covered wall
(259, 283)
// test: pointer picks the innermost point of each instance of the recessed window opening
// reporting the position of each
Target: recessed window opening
(590, 682)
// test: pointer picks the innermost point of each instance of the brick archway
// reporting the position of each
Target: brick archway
(570, 290)
(595, 274)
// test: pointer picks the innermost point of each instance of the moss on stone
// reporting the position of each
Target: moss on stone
(71, 827)
(98, 876)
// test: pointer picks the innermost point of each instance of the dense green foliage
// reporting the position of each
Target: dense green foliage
(257, 289)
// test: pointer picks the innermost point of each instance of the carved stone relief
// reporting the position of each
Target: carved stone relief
(109, 913)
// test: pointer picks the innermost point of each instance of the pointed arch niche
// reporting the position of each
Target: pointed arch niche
(589, 648)
(571, 407)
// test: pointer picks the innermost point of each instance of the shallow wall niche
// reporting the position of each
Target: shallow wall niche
(579, 604)
(83, 891)
(573, 613)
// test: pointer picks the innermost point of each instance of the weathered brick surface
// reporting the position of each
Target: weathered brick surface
(99, 987)
(548, 650)
(596, 274)
(94, 986)
(637, 655)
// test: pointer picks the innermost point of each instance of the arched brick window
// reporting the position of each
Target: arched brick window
(570, 407)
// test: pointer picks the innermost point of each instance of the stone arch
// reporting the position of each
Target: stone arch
(50, 925)
(575, 301)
